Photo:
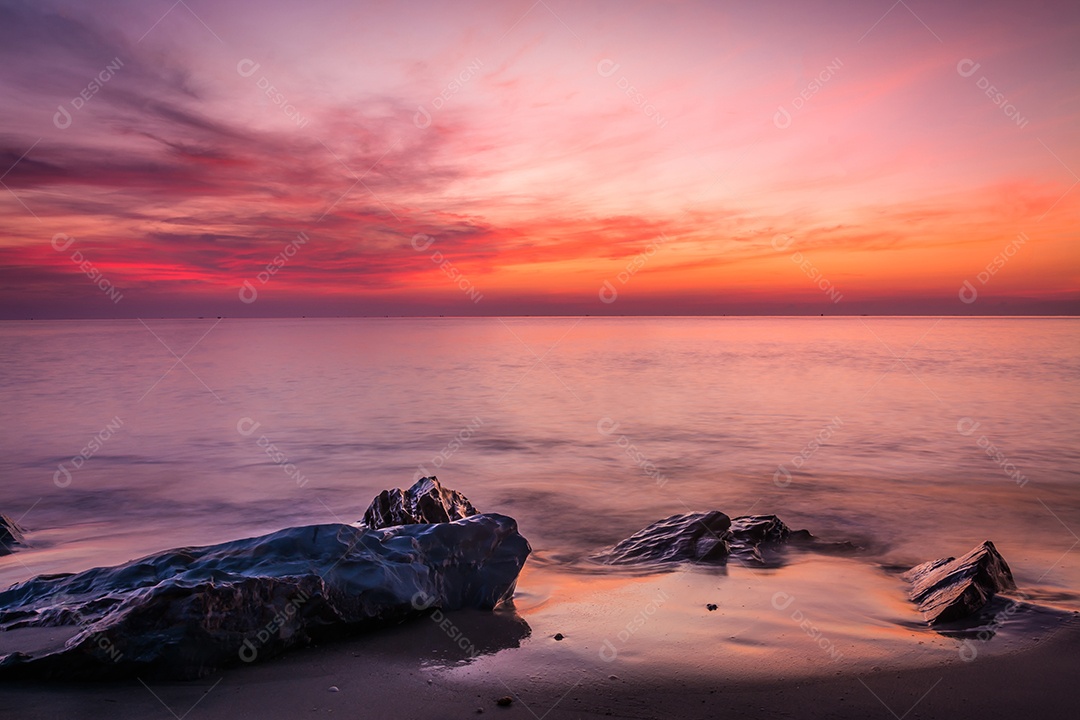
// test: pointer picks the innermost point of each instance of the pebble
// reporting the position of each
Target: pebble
(711, 606)
(559, 636)
(334, 688)
(504, 701)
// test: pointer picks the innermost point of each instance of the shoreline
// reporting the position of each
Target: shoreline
(380, 675)
(682, 660)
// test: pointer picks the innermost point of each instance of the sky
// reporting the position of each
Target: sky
(216, 158)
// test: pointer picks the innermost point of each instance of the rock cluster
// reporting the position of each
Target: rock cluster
(710, 537)
(186, 612)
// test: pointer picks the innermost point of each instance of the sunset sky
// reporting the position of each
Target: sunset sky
(549, 157)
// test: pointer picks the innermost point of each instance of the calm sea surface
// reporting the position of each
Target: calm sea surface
(915, 437)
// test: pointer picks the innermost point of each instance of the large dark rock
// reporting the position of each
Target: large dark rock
(184, 613)
(11, 535)
(425, 502)
(955, 588)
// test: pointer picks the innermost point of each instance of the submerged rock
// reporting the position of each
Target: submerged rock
(690, 537)
(713, 537)
(955, 588)
(185, 613)
(11, 535)
(427, 501)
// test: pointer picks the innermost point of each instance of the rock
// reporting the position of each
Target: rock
(710, 537)
(333, 688)
(427, 501)
(559, 636)
(691, 537)
(505, 701)
(954, 588)
(11, 535)
(185, 613)
(711, 607)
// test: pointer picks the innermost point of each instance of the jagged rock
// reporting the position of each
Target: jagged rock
(954, 588)
(185, 613)
(11, 535)
(712, 537)
(690, 537)
(426, 501)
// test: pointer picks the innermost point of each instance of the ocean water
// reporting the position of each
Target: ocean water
(913, 437)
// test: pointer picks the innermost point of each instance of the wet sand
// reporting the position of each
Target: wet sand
(822, 637)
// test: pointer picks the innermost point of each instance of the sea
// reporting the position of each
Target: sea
(914, 438)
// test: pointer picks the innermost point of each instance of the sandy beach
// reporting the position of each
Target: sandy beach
(641, 646)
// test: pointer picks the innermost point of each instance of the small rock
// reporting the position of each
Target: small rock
(559, 636)
(334, 688)
(954, 588)
(504, 701)
(425, 502)
(711, 606)
(612, 677)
